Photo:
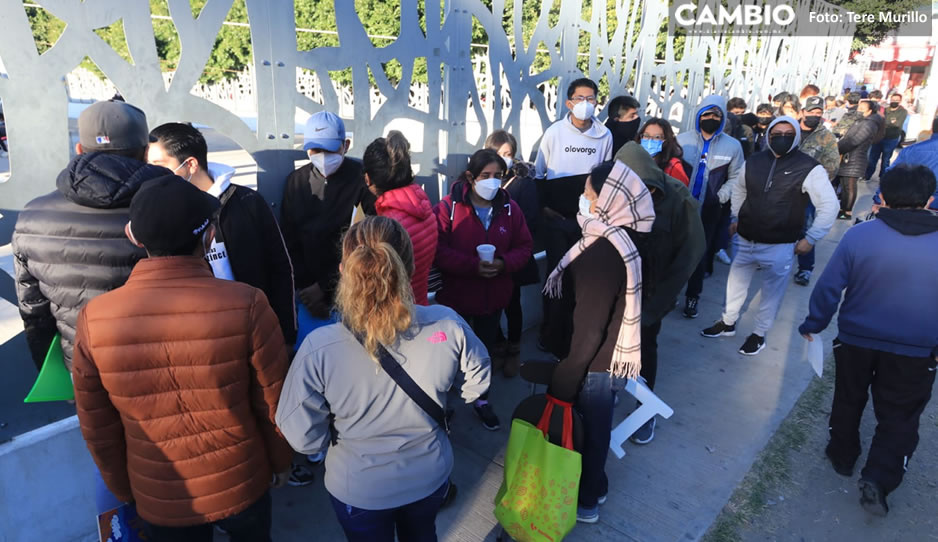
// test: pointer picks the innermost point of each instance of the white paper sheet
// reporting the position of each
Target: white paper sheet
(815, 354)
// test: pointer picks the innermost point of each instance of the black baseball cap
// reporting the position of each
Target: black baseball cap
(814, 102)
(169, 214)
(113, 126)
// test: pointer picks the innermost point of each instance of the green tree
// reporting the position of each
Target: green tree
(869, 34)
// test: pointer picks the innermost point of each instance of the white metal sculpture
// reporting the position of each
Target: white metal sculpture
(493, 90)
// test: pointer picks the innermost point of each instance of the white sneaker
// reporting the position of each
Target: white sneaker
(4, 154)
(724, 257)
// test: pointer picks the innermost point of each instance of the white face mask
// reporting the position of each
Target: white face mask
(585, 206)
(487, 188)
(327, 163)
(584, 110)
(508, 162)
(185, 163)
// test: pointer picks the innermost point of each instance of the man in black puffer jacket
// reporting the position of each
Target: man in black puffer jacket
(69, 245)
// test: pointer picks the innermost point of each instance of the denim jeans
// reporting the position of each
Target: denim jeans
(250, 525)
(806, 261)
(595, 403)
(414, 522)
(883, 149)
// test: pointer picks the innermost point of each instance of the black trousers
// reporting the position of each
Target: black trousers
(650, 353)
(486, 329)
(711, 216)
(250, 525)
(848, 193)
(557, 327)
(901, 388)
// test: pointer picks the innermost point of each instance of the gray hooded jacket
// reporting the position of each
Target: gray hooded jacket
(714, 162)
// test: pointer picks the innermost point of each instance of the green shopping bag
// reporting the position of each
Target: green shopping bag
(54, 383)
(538, 497)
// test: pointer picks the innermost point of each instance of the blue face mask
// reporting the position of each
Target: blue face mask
(653, 146)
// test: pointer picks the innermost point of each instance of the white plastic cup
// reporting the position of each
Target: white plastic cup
(486, 253)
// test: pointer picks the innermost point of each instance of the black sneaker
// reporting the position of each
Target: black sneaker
(487, 415)
(840, 467)
(803, 277)
(719, 329)
(872, 498)
(300, 475)
(645, 433)
(753, 345)
(690, 307)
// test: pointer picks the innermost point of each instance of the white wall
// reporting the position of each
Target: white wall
(47, 487)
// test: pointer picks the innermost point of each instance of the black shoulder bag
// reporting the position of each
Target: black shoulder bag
(406, 383)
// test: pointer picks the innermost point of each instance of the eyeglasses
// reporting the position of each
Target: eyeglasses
(655, 137)
(578, 99)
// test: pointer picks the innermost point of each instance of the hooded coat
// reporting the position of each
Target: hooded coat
(677, 234)
(69, 246)
(460, 232)
(718, 159)
(410, 206)
(890, 294)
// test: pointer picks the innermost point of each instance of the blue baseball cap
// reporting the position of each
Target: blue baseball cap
(324, 130)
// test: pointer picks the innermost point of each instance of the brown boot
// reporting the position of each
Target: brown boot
(512, 360)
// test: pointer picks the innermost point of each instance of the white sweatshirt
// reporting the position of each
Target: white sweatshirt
(565, 150)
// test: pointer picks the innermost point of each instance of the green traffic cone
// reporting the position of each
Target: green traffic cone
(54, 382)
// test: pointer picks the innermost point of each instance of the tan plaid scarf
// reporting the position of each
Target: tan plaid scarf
(623, 202)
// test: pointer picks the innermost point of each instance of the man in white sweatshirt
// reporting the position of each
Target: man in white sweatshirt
(569, 150)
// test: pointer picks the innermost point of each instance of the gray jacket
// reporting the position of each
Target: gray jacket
(720, 158)
(389, 452)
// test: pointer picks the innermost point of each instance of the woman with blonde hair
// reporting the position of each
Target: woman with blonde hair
(356, 385)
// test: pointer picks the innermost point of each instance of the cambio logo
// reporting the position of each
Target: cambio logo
(750, 15)
(587, 150)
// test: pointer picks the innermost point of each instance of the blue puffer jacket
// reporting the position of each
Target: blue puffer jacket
(919, 154)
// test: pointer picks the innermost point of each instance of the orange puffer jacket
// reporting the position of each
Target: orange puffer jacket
(410, 206)
(177, 375)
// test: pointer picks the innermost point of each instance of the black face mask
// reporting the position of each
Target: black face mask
(781, 144)
(894, 105)
(710, 125)
(624, 131)
(765, 121)
(812, 122)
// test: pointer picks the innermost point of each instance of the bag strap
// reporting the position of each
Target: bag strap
(411, 388)
(544, 423)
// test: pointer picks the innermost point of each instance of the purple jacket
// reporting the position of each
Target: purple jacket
(460, 232)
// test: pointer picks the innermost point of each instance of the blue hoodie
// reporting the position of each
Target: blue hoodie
(891, 299)
(715, 161)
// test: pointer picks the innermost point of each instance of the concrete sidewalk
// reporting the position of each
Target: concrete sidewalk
(726, 408)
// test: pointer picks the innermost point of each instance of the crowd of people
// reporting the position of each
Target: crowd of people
(175, 294)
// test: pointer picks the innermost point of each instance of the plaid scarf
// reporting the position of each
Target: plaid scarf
(623, 202)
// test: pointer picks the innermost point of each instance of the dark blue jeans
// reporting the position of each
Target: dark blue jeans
(806, 261)
(883, 149)
(250, 525)
(595, 403)
(415, 522)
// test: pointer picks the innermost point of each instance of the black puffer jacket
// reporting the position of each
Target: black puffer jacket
(854, 147)
(69, 246)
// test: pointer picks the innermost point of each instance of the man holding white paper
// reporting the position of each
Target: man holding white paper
(888, 331)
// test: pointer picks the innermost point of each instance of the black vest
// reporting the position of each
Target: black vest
(775, 203)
